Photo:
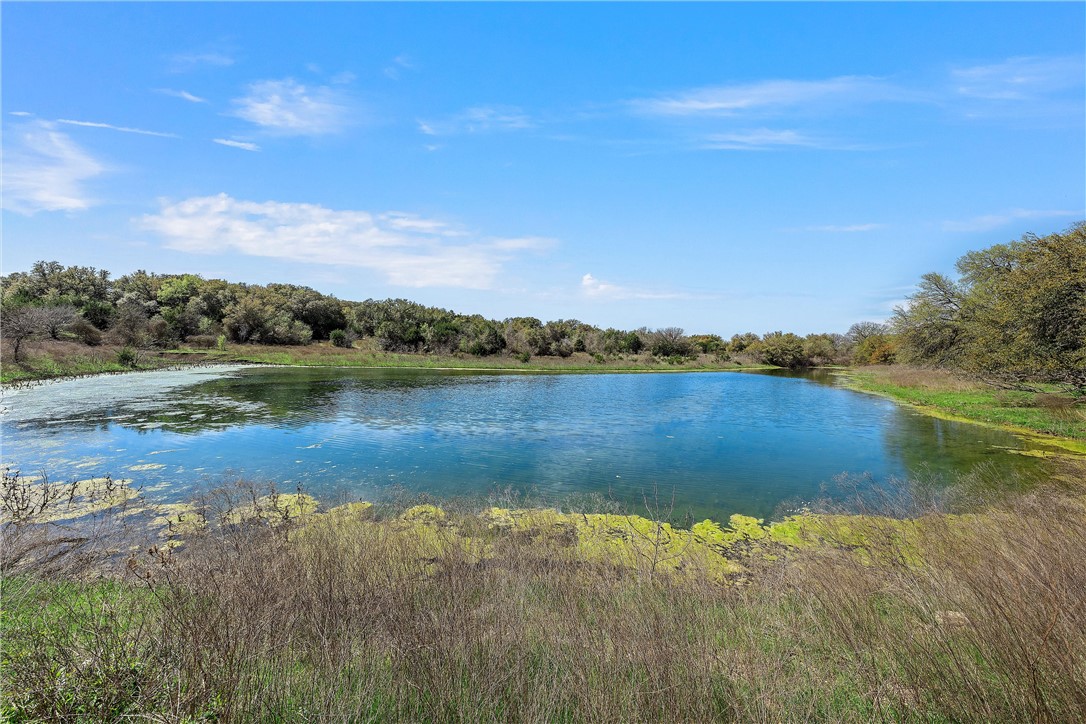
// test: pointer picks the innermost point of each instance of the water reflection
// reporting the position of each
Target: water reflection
(718, 442)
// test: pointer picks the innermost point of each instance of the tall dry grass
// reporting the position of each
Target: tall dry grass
(965, 617)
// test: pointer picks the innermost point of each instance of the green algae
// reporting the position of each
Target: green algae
(69, 502)
(708, 550)
(275, 509)
(423, 514)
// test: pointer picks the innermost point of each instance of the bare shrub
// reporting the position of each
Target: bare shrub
(975, 617)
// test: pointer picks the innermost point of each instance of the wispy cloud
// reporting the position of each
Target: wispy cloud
(479, 119)
(21, 114)
(764, 139)
(287, 107)
(399, 64)
(111, 127)
(769, 95)
(1019, 79)
(182, 94)
(408, 250)
(185, 62)
(46, 170)
(243, 145)
(599, 289)
(989, 222)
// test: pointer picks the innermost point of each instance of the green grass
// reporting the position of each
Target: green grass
(41, 367)
(366, 356)
(50, 360)
(362, 619)
(937, 392)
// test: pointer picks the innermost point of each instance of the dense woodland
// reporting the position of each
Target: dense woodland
(1015, 315)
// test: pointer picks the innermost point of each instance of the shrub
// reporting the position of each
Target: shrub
(524, 357)
(782, 350)
(86, 332)
(202, 341)
(128, 356)
(340, 338)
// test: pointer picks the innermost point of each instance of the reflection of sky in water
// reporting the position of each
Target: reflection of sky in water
(721, 442)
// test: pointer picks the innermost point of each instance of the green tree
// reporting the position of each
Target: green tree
(1016, 315)
(782, 349)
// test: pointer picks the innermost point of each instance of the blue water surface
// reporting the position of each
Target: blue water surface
(708, 444)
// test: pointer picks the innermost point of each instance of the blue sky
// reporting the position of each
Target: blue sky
(719, 167)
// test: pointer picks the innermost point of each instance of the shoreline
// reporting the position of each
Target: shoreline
(182, 365)
(1070, 445)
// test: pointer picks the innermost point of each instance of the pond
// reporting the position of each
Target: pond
(714, 443)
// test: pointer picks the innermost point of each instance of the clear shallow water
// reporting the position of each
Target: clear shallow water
(720, 442)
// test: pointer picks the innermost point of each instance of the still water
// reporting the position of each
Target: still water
(718, 443)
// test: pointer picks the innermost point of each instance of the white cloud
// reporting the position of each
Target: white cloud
(182, 94)
(46, 171)
(408, 250)
(184, 62)
(402, 221)
(111, 127)
(770, 95)
(1019, 79)
(762, 139)
(243, 145)
(994, 221)
(289, 108)
(479, 119)
(599, 289)
(400, 62)
(22, 114)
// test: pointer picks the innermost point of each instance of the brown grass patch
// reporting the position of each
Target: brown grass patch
(922, 378)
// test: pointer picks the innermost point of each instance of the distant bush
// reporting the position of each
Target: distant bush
(202, 341)
(669, 342)
(128, 356)
(340, 338)
(85, 332)
(524, 357)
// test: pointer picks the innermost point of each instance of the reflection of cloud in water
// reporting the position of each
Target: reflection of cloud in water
(722, 442)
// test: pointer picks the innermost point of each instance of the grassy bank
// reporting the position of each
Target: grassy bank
(271, 611)
(44, 360)
(367, 354)
(947, 395)
(53, 359)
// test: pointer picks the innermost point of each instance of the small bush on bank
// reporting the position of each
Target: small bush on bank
(128, 356)
(341, 338)
(202, 341)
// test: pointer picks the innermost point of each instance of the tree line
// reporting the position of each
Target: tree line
(144, 309)
(1016, 314)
